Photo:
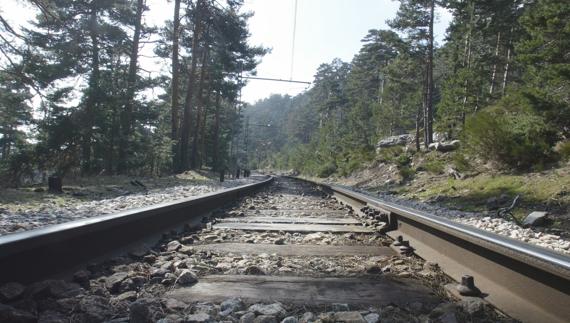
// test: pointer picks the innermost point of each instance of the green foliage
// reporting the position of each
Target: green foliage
(326, 170)
(18, 166)
(544, 53)
(563, 150)
(510, 134)
(406, 172)
(435, 166)
(461, 162)
(390, 154)
(354, 160)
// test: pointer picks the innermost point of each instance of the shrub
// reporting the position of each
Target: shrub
(511, 135)
(326, 170)
(406, 172)
(434, 166)
(460, 162)
(563, 150)
(389, 154)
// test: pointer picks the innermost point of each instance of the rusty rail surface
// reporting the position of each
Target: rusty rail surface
(41, 253)
(527, 282)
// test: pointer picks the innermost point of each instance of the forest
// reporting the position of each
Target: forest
(74, 98)
(499, 83)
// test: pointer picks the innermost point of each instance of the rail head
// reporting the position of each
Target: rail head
(547, 259)
(62, 246)
(528, 282)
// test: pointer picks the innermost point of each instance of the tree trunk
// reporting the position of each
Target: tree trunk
(507, 63)
(127, 115)
(467, 61)
(175, 85)
(199, 108)
(494, 73)
(418, 126)
(92, 94)
(186, 124)
(215, 156)
(428, 118)
(202, 152)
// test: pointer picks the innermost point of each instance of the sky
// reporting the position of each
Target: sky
(325, 29)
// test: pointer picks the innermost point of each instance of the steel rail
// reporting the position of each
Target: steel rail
(52, 250)
(529, 283)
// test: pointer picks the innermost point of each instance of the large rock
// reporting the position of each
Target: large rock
(394, 141)
(536, 218)
(444, 146)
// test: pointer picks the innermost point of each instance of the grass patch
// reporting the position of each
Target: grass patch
(471, 194)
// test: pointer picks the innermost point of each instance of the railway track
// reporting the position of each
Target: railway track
(289, 253)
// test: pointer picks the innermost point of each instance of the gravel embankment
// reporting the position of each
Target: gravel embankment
(536, 236)
(48, 214)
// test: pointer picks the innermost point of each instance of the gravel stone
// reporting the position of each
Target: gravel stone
(265, 319)
(275, 309)
(54, 289)
(127, 296)
(173, 245)
(349, 317)
(94, 309)
(474, 306)
(52, 317)
(186, 277)
(11, 291)
(307, 317)
(372, 318)
(231, 305)
(198, 318)
(290, 319)
(143, 310)
(27, 218)
(13, 315)
(113, 282)
(247, 318)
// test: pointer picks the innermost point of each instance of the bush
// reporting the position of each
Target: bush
(435, 166)
(511, 135)
(16, 167)
(563, 150)
(460, 162)
(326, 170)
(406, 172)
(353, 160)
(389, 154)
